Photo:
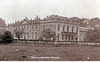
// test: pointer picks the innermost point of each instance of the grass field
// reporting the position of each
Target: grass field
(48, 52)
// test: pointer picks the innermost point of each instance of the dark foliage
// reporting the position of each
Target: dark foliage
(48, 34)
(7, 37)
(93, 35)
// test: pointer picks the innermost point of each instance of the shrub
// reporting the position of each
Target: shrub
(7, 37)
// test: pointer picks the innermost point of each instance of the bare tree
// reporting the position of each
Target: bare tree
(19, 33)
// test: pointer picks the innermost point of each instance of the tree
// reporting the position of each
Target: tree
(48, 34)
(94, 21)
(19, 33)
(93, 35)
(7, 37)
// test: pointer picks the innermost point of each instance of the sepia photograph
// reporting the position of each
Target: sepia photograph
(49, 30)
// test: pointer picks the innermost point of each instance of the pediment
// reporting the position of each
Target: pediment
(24, 22)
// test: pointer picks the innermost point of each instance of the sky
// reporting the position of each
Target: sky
(16, 10)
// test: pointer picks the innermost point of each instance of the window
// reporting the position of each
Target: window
(66, 37)
(67, 28)
(32, 26)
(69, 37)
(28, 35)
(43, 26)
(62, 36)
(77, 30)
(36, 26)
(19, 27)
(27, 26)
(16, 27)
(72, 28)
(63, 27)
(36, 35)
(58, 36)
(32, 35)
(72, 37)
(59, 27)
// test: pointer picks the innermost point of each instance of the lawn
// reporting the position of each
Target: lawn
(48, 52)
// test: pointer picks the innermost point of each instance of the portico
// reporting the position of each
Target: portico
(69, 36)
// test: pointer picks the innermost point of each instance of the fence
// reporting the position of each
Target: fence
(59, 42)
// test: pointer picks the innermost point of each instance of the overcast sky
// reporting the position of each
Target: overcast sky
(14, 10)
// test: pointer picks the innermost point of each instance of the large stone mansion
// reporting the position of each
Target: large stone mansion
(65, 28)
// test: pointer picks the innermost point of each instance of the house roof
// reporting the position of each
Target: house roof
(48, 18)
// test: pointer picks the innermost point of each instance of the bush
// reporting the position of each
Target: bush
(7, 37)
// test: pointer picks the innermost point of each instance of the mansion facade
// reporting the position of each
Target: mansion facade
(65, 29)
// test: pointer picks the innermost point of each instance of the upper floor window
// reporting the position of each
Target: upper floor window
(16, 27)
(59, 27)
(32, 26)
(27, 26)
(72, 28)
(36, 26)
(43, 26)
(67, 28)
(63, 27)
(77, 30)
(23, 26)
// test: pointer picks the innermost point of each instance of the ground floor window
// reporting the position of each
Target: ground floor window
(72, 38)
(58, 36)
(66, 37)
(62, 37)
(69, 38)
